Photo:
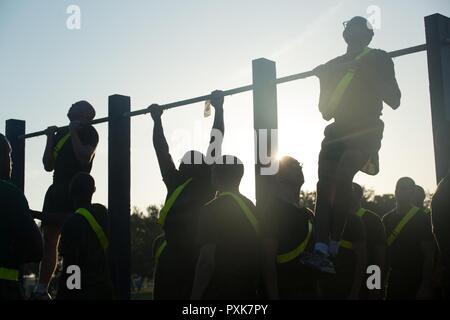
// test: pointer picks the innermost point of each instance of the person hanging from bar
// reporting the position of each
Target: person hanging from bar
(287, 231)
(20, 239)
(67, 152)
(351, 260)
(228, 265)
(440, 208)
(188, 189)
(84, 243)
(376, 244)
(411, 246)
(353, 88)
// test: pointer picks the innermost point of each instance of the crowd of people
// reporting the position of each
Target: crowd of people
(217, 244)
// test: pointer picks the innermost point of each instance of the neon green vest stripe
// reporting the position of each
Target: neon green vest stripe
(343, 84)
(95, 226)
(291, 255)
(170, 201)
(160, 250)
(248, 213)
(9, 274)
(59, 145)
(361, 212)
(411, 213)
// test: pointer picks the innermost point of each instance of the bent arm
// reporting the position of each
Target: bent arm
(165, 161)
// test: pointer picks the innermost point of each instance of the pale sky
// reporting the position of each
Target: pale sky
(164, 51)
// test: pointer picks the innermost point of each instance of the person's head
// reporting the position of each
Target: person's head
(419, 197)
(82, 187)
(405, 191)
(227, 173)
(290, 173)
(81, 111)
(5, 158)
(357, 195)
(193, 165)
(358, 32)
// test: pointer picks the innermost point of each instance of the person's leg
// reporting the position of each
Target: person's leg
(48, 263)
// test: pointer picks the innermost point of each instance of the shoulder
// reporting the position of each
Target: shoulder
(386, 217)
(380, 56)
(371, 217)
(11, 193)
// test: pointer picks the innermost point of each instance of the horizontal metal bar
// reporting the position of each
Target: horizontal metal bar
(302, 75)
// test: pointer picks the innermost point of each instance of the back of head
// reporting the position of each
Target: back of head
(82, 187)
(358, 32)
(419, 196)
(290, 172)
(227, 173)
(405, 190)
(81, 111)
(193, 165)
(5, 158)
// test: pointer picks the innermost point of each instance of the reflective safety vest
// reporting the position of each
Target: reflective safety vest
(170, 201)
(343, 84)
(348, 244)
(9, 274)
(411, 213)
(95, 226)
(59, 145)
(291, 255)
(245, 209)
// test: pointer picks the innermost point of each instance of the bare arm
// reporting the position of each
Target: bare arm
(269, 268)
(385, 83)
(218, 129)
(204, 271)
(47, 158)
(160, 143)
(360, 249)
(83, 152)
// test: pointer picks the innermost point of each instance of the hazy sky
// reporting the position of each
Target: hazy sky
(164, 51)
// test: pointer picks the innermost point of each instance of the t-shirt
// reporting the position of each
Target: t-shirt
(180, 225)
(360, 101)
(66, 163)
(236, 272)
(18, 230)
(79, 245)
(288, 225)
(338, 286)
(405, 254)
(440, 207)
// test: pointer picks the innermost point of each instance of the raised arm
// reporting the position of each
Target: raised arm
(165, 161)
(385, 82)
(47, 158)
(218, 129)
(84, 150)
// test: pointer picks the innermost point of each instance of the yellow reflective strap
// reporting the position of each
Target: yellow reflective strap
(95, 226)
(248, 213)
(343, 84)
(59, 145)
(9, 274)
(170, 201)
(291, 255)
(346, 244)
(427, 210)
(361, 212)
(160, 250)
(401, 225)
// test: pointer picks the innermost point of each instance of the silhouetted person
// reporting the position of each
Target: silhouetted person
(20, 239)
(351, 259)
(375, 240)
(228, 265)
(287, 231)
(353, 88)
(66, 153)
(440, 206)
(188, 189)
(84, 243)
(410, 246)
(419, 199)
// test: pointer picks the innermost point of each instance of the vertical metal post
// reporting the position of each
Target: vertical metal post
(14, 129)
(437, 29)
(119, 194)
(265, 122)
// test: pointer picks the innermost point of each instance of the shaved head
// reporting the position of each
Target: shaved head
(81, 111)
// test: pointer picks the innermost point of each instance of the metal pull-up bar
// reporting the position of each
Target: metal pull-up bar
(297, 76)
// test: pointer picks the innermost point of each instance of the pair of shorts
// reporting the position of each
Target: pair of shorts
(58, 205)
(364, 136)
